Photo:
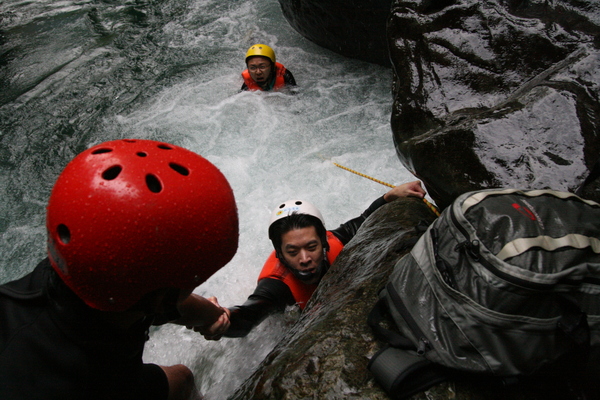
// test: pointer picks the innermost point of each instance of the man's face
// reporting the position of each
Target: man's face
(303, 251)
(259, 68)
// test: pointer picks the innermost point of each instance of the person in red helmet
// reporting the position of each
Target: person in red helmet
(303, 252)
(263, 72)
(133, 227)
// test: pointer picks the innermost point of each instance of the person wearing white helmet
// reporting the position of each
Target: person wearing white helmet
(263, 72)
(303, 252)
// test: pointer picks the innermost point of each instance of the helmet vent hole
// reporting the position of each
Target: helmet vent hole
(164, 146)
(101, 151)
(142, 154)
(153, 183)
(180, 169)
(112, 173)
(298, 203)
(64, 234)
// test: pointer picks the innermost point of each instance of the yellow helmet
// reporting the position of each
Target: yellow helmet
(261, 50)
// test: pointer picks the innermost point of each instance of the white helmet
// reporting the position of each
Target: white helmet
(295, 206)
(302, 209)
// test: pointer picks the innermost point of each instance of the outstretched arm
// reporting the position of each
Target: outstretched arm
(270, 296)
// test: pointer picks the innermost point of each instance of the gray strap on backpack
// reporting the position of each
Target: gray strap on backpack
(397, 367)
(403, 373)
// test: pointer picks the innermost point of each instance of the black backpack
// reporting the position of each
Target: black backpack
(505, 283)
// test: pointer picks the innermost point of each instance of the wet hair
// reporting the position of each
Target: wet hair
(295, 221)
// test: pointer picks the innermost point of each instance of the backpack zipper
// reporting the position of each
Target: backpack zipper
(469, 247)
(441, 264)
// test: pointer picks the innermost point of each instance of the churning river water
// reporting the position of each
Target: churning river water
(77, 73)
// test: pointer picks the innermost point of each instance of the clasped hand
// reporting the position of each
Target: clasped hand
(215, 330)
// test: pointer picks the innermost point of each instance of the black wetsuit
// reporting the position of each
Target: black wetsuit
(273, 295)
(53, 346)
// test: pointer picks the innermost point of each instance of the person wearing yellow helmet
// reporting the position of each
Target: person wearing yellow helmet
(133, 227)
(303, 251)
(263, 72)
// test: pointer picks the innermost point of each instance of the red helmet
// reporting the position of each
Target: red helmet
(128, 217)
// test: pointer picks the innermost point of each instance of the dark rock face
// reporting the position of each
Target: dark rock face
(486, 94)
(497, 93)
(353, 28)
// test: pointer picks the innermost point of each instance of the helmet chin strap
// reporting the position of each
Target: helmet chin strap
(305, 275)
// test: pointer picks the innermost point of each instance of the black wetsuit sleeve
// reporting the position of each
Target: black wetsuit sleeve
(346, 231)
(270, 296)
(288, 78)
(244, 87)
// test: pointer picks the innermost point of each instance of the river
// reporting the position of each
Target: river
(77, 73)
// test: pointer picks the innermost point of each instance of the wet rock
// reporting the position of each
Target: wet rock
(497, 93)
(486, 94)
(353, 28)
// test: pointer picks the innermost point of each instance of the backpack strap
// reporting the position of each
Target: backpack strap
(403, 373)
(397, 367)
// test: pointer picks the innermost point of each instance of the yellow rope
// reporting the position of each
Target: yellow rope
(363, 175)
(431, 206)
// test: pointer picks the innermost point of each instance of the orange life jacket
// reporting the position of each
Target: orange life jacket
(301, 291)
(279, 79)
